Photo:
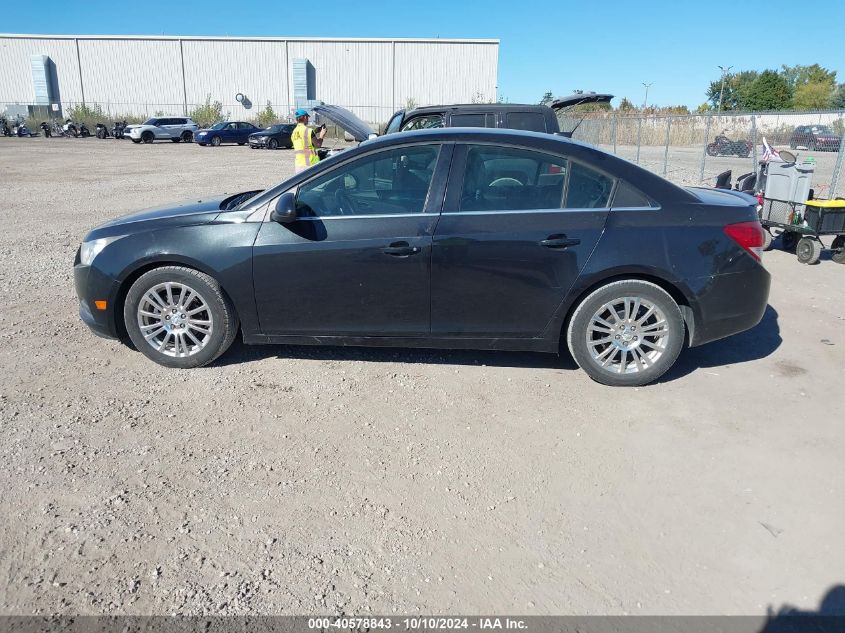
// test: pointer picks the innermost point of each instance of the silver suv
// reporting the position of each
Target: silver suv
(175, 129)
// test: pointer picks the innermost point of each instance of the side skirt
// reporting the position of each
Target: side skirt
(509, 344)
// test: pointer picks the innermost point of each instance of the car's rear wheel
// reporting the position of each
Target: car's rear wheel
(215, 141)
(241, 143)
(176, 140)
(627, 333)
(179, 317)
(273, 144)
(187, 136)
(136, 140)
(147, 137)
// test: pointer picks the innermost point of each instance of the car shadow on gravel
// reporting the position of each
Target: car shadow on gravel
(758, 342)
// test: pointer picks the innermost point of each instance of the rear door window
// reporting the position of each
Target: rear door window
(533, 121)
(588, 188)
(468, 120)
(507, 178)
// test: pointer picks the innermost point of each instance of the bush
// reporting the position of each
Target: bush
(267, 116)
(90, 115)
(208, 113)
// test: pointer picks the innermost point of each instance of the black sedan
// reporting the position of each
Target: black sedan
(450, 238)
(273, 137)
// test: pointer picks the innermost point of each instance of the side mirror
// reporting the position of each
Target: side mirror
(285, 209)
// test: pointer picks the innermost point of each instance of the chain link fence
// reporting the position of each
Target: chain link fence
(686, 149)
(695, 149)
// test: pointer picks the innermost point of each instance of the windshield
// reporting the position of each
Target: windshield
(150, 122)
(822, 129)
(218, 126)
(276, 128)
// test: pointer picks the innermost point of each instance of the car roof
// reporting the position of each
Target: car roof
(482, 107)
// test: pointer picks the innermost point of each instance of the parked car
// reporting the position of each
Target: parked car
(174, 129)
(449, 238)
(226, 132)
(273, 137)
(815, 138)
(537, 118)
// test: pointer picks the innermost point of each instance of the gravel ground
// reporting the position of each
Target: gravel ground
(314, 480)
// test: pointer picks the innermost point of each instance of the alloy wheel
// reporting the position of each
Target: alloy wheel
(175, 319)
(628, 335)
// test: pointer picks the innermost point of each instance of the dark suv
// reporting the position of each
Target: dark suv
(534, 118)
(815, 138)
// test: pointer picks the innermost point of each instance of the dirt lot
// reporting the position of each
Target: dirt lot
(313, 480)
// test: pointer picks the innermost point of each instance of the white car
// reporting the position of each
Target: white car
(175, 129)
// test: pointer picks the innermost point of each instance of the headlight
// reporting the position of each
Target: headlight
(90, 250)
(261, 138)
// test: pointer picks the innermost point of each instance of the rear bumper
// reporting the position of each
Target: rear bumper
(729, 304)
(91, 285)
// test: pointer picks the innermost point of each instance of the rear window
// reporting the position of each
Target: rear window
(533, 121)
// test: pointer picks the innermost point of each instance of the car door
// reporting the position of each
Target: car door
(166, 126)
(244, 130)
(517, 227)
(356, 262)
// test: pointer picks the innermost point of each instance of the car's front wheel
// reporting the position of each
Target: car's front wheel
(273, 144)
(215, 141)
(627, 333)
(147, 137)
(179, 317)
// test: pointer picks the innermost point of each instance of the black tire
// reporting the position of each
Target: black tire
(808, 251)
(767, 240)
(223, 317)
(187, 136)
(838, 248)
(576, 334)
(136, 140)
(215, 141)
(176, 140)
(712, 149)
(272, 144)
(241, 143)
(201, 144)
(789, 240)
(147, 137)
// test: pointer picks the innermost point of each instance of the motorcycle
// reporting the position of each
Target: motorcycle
(723, 146)
(70, 129)
(4, 127)
(46, 129)
(20, 130)
(102, 131)
(83, 130)
(118, 129)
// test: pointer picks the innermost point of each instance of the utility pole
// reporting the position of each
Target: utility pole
(647, 86)
(725, 71)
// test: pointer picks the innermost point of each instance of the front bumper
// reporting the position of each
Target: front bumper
(91, 285)
(258, 142)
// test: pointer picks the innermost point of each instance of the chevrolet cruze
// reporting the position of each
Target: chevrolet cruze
(447, 238)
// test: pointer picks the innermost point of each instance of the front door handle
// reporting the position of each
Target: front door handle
(559, 241)
(400, 249)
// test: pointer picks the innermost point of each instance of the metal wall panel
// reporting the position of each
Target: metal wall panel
(133, 72)
(15, 74)
(224, 68)
(352, 74)
(434, 73)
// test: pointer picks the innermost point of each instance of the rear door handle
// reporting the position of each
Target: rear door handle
(559, 241)
(400, 249)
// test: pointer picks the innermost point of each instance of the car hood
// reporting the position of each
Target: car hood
(187, 212)
(579, 98)
(345, 119)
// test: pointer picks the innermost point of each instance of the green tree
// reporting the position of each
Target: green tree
(547, 98)
(267, 116)
(770, 91)
(208, 113)
(838, 99)
(812, 96)
(802, 75)
(735, 90)
(626, 106)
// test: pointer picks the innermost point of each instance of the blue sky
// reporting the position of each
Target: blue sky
(561, 46)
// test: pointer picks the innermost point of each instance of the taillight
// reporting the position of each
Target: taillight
(749, 235)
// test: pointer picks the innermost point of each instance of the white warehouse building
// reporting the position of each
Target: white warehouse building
(148, 75)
